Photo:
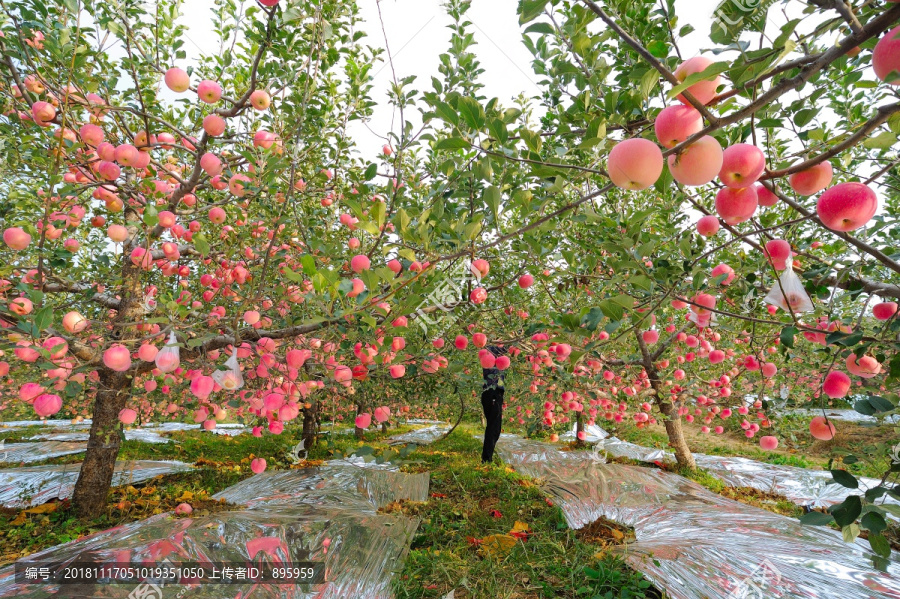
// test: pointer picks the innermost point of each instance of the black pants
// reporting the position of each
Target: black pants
(492, 404)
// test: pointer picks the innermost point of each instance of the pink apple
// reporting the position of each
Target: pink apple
(91, 134)
(117, 358)
(214, 125)
(736, 205)
(461, 342)
(117, 233)
(675, 124)
(211, 164)
(723, 269)
(886, 57)
(635, 164)
(397, 371)
(264, 139)
(363, 420)
(836, 384)
(382, 414)
(742, 164)
(21, 306)
(127, 416)
(209, 91)
(217, 215)
(47, 404)
(260, 100)
(697, 164)
(16, 238)
(884, 310)
(708, 225)
(703, 91)
(73, 322)
(764, 196)
(258, 465)
(812, 180)
(847, 206)
(768, 443)
(359, 263)
(177, 80)
(183, 509)
(821, 429)
(769, 370)
(778, 251)
(479, 339)
(526, 281)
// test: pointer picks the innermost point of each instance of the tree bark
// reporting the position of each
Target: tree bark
(358, 432)
(310, 428)
(579, 428)
(672, 420)
(113, 391)
(95, 478)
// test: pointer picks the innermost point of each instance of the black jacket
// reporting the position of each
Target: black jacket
(494, 377)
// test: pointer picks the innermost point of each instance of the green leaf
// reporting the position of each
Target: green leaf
(707, 74)
(882, 141)
(850, 532)
(658, 48)
(847, 511)
(612, 310)
(730, 19)
(378, 213)
(471, 112)
(529, 10)
(371, 171)
(451, 143)
(787, 336)
(874, 522)
(844, 478)
(816, 519)
(43, 318)
(880, 545)
(201, 244)
(309, 265)
(492, 198)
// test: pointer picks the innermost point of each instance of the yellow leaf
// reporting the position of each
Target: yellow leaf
(186, 496)
(497, 545)
(47, 508)
(520, 527)
(617, 534)
(20, 519)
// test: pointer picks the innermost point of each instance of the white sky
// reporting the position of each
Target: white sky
(417, 33)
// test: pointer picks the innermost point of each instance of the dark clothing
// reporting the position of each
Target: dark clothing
(494, 377)
(492, 404)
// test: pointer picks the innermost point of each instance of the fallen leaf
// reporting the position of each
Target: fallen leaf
(496, 514)
(20, 519)
(497, 545)
(521, 526)
(47, 508)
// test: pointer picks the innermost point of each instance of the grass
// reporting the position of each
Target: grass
(470, 502)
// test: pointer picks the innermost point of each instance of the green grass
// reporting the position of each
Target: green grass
(551, 563)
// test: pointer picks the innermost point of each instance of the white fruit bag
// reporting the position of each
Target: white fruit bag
(231, 379)
(169, 357)
(794, 297)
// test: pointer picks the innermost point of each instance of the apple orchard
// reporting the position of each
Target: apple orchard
(656, 237)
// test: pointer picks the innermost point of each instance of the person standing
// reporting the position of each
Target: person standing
(492, 403)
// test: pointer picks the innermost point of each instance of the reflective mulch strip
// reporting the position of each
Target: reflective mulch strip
(24, 487)
(694, 543)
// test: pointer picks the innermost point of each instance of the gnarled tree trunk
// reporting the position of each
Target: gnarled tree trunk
(113, 391)
(672, 420)
(310, 425)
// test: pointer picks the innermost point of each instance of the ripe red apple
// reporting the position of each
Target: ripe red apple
(736, 205)
(708, 225)
(764, 196)
(209, 91)
(886, 57)
(821, 429)
(526, 281)
(635, 164)
(778, 251)
(884, 310)
(699, 163)
(675, 124)
(847, 206)
(742, 164)
(177, 80)
(703, 91)
(836, 384)
(812, 180)
(260, 100)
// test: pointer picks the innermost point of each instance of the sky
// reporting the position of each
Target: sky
(417, 34)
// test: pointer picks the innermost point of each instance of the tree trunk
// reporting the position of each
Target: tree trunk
(358, 432)
(672, 421)
(113, 391)
(310, 428)
(95, 478)
(579, 428)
